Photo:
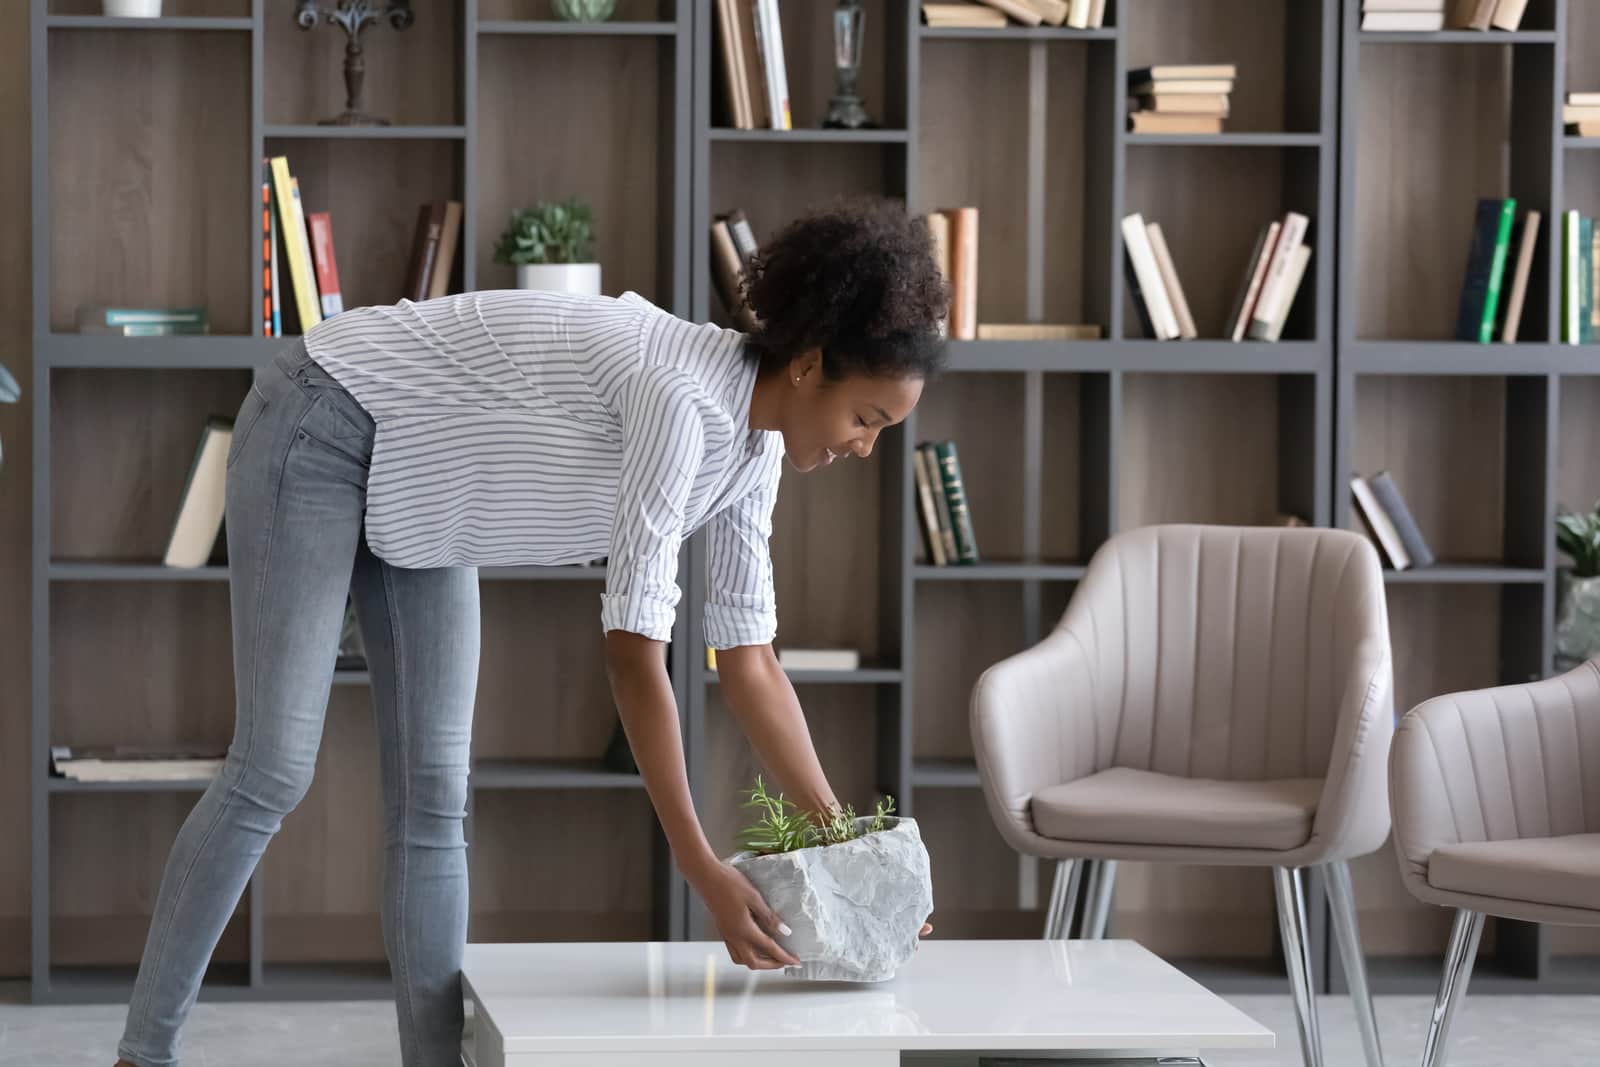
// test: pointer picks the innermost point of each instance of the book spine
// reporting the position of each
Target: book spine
(1290, 235)
(1291, 288)
(1475, 284)
(1137, 245)
(327, 270)
(1256, 275)
(1569, 277)
(964, 268)
(1405, 524)
(1169, 281)
(928, 511)
(266, 250)
(1594, 279)
(1585, 280)
(1497, 269)
(941, 501)
(1378, 523)
(956, 491)
(1527, 237)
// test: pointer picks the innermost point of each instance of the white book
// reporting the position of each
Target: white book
(1289, 238)
(194, 532)
(1570, 271)
(1291, 286)
(1403, 21)
(1097, 14)
(1078, 16)
(1170, 282)
(1402, 5)
(1140, 254)
(777, 73)
(819, 659)
(1508, 14)
(1382, 527)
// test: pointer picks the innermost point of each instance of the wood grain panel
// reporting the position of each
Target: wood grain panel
(372, 235)
(982, 415)
(1061, 503)
(1248, 33)
(1443, 442)
(1183, 910)
(973, 869)
(1419, 173)
(1582, 182)
(1445, 639)
(842, 726)
(1583, 46)
(962, 629)
(829, 522)
(413, 76)
(1578, 462)
(974, 133)
(122, 442)
(1180, 187)
(1067, 210)
(98, 919)
(141, 664)
(140, 175)
(541, 144)
(16, 509)
(626, 11)
(1184, 438)
(542, 689)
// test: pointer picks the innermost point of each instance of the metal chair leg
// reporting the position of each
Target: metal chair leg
(1342, 901)
(1063, 899)
(1097, 902)
(1458, 962)
(1290, 887)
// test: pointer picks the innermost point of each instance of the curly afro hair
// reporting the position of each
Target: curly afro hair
(856, 278)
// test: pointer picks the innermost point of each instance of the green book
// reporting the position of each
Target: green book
(955, 492)
(1586, 281)
(1486, 269)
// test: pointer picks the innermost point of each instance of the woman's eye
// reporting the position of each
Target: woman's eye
(861, 422)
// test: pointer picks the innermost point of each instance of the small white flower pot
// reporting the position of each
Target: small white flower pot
(133, 9)
(855, 909)
(582, 279)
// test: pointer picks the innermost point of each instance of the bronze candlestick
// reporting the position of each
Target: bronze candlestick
(353, 16)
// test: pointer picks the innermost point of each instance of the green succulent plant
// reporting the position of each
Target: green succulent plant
(9, 392)
(1578, 535)
(548, 232)
(781, 827)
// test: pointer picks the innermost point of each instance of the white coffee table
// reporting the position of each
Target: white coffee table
(683, 1004)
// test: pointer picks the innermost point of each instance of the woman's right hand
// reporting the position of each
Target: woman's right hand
(748, 927)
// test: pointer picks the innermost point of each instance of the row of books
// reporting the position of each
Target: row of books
(297, 298)
(1482, 315)
(122, 763)
(1273, 277)
(755, 81)
(1580, 279)
(995, 14)
(1426, 16)
(942, 509)
(733, 245)
(1383, 509)
(954, 233)
(806, 659)
(1180, 98)
(1581, 114)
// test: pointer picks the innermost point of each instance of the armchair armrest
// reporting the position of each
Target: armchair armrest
(1032, 721)
(1353, 812)
(1496, 764)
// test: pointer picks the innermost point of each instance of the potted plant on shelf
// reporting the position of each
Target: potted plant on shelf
(9, 392)
(1577, 636)
(583, 10)
(854, 890)
(132, 9)
(550, 245)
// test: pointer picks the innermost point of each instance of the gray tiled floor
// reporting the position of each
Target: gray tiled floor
(1493, 1031)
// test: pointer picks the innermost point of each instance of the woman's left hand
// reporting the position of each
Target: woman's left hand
(927, 928)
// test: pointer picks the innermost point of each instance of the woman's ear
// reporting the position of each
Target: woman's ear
(806, 365)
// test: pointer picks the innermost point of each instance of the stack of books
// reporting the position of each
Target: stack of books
(1272, 279)
(1153, 281)
(1491, 272)
(942, 510)
(1581, 114)
(1580, 281)
(1390, 522)
(995, 14)
(1180, 99)
(1402, 16)
(116, 763)
(754, 80)
(142, 322)
(733, 246)
(1486, 14)
(954, 232)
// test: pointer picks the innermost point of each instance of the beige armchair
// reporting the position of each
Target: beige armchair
(1212, 695)
(1496, 797)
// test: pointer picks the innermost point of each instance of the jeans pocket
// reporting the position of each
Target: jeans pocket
(250, 412)
(350, 419)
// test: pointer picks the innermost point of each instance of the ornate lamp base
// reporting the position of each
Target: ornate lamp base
(847, 113)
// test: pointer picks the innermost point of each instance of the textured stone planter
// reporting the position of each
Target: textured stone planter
(1577, 620)
(856, 909)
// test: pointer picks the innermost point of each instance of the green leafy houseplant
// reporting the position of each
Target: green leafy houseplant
(584, 10)
(548, 232)
(1577, 628)
(1578, 535)
(9, 391)
(781, 827)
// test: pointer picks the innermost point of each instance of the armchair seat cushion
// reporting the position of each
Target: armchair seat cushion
(1127, 806)
(1561, 871)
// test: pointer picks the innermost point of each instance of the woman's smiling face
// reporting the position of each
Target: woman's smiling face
(823, 418)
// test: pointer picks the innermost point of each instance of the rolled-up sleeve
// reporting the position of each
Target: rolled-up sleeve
(663, 447)
(741, 608)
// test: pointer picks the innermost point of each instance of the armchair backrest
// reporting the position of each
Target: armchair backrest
(1221, 651)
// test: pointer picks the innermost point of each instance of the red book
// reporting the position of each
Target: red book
(321, 228)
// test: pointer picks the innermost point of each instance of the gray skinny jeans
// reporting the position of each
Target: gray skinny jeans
(296, 494)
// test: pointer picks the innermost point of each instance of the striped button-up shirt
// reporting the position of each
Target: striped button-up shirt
(521, 427)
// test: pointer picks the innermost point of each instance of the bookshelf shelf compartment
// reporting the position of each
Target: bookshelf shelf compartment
(1465, 574)
(1242, 139)
(1541, 37)
(1465, 358)
(1015, 33)
(800, 136)
(295, 131)
(549, 774)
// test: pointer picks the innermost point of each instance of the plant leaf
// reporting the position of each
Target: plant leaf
(9, 389)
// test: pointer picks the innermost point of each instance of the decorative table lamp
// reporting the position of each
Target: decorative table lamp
(352, 16)
(845, 110)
